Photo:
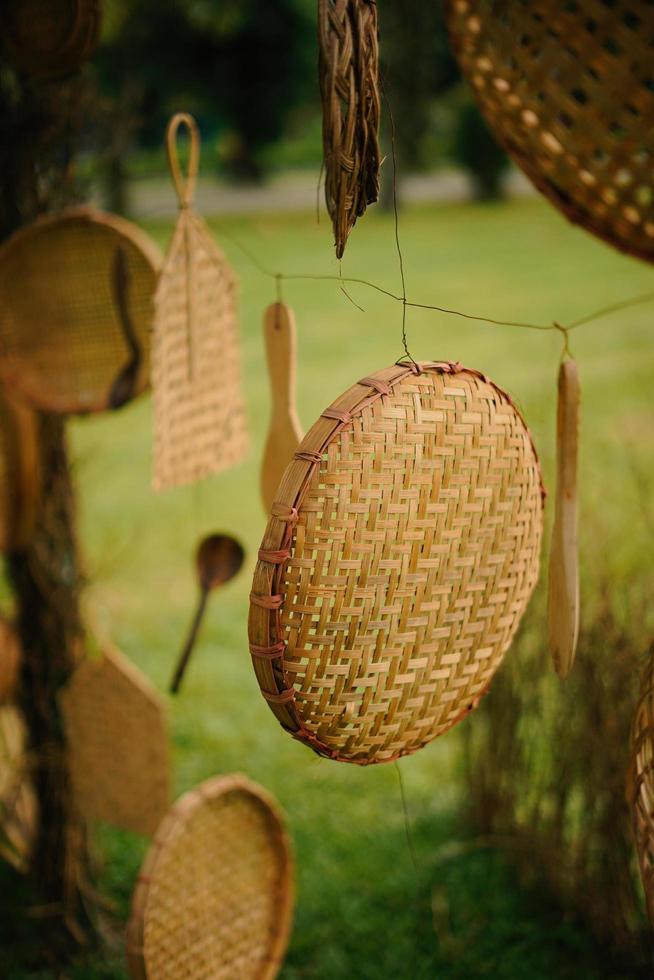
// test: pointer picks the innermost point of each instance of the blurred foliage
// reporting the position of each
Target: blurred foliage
(477, 152)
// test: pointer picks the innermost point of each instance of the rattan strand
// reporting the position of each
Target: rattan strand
(567, 89)
(117, 731)
(20, 480)
(49, 38)
(413, 550)
(214, 898)
(641, 784)
(62, 337)
(349, 85)
(17, 799)
(200, 426)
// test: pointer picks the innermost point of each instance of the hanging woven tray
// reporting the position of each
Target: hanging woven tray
(20, 478)
(214, 898)
(567, 90)
(49, 38)
(400, 555)
(76, 292)
(641, 784)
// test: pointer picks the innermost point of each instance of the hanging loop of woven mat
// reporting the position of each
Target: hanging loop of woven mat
(200, 425)
(348, 71)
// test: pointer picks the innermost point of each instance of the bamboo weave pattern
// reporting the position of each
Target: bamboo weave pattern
(642, 784)
(567, 89)
(402, 551)
(215, 894)
(349, 85)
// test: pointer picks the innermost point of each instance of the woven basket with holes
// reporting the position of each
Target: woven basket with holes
(641, 784)
(49, 38)
(76, 292)
(200, 425)
(20, 480)
(567, 89)
(349, 85)
(400, 555)
(214, 899)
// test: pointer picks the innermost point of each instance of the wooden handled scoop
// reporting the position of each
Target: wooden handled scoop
(563, 594)
(284, 431)
(217, 560)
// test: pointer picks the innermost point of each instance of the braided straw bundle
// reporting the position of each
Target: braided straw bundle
(49, 38)
(349, 85)
(199, 413)
(17, 799)
(401, 552)
(20, 481)
(76, 293)
(567, 89)
(214, 899)
(641, 784)
(118, 736)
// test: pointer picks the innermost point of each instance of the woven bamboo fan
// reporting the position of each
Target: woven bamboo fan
(214, 899)
(9, 662)
(117, 731)
(349, 85)
(76, 291)
(199, 413)
(17, 800)
(567, 89)
(400, 555)
(641, 784)
(20, 481)
(49, 38)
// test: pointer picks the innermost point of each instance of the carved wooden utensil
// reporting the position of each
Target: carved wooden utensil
(284, 431)
(218, 559)
(563, 596)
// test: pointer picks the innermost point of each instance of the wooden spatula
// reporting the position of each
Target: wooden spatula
(284, 431)
(563, 596)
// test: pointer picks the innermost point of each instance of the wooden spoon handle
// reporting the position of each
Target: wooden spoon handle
(187, 649)
(563, 595)
(284, 432)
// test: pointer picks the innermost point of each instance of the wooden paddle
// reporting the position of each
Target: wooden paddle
(284, 431)
(563, 595)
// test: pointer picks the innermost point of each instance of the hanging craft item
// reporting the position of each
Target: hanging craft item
(400, 555)
(199, 412)
(117, 732)
(641, 784)
(563, 593)
(76, 291)
(9, 662)
(567, 90)
(17, 800)
(49, 38)
(349, 85)
(284, 430)
(218, 559)
(214, 898)
(20, 482)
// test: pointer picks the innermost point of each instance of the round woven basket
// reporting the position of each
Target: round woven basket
(68, 328)
(49, 38)
(20, 480)
(567, 90)
(214, 898)
(641, 784)
(400, 555)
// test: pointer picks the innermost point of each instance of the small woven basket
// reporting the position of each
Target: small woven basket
(116, 728)
(400, 555)
(349, 85)
(567, 89)
(200, 425)
(214, 899)
(20, 479)
(641, 784)
(49, 38)
(76, 292)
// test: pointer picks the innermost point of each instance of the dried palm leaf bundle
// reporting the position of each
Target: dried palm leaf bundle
(49, 38)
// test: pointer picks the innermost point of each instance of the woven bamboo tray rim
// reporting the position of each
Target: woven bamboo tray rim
(83, 215)
(267, 646)
(179, 814)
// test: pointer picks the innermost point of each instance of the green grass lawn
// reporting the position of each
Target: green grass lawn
(363, 909)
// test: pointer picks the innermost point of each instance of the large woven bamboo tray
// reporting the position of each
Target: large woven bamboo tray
(567, 89)
(66, 335)
(641, 784)
(402, 548)
(214, 898)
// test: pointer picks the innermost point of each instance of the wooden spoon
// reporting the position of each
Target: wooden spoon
(563, 595)
(217, 560)
(284, 431)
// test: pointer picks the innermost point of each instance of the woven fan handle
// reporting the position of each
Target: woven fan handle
(184, 183)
